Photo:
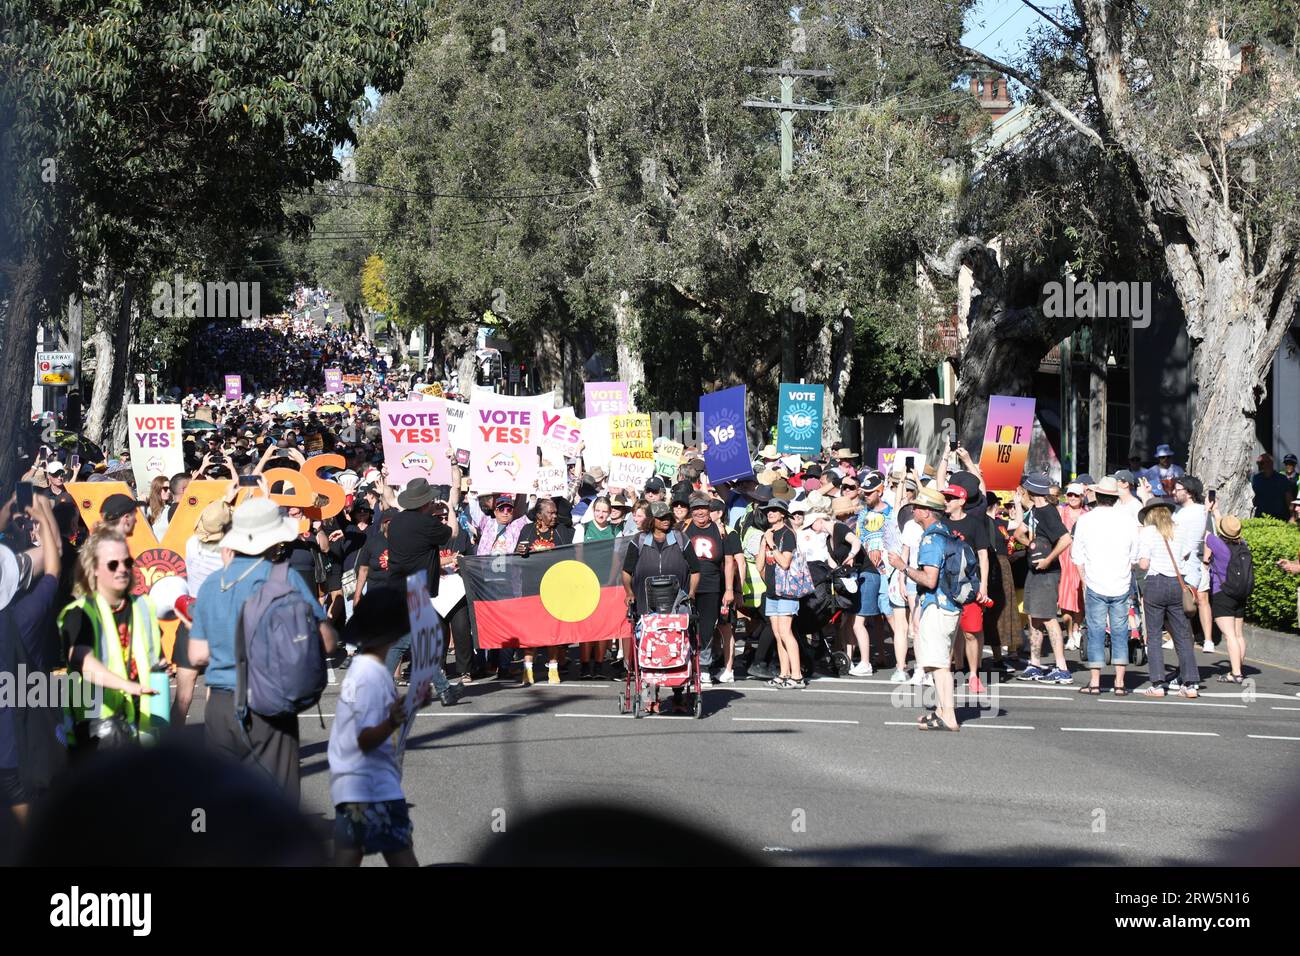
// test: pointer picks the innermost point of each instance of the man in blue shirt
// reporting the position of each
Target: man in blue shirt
(257, 538)
(939, 615)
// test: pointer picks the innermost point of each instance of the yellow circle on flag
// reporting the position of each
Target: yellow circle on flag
(570, 591)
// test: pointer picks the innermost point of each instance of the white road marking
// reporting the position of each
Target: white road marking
(1267, 737)
(1128, 730)
(1167, 702)
(979, 723)
(1284, 708)
(791, 720)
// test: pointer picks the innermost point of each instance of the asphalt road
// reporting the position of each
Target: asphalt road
(837, 773)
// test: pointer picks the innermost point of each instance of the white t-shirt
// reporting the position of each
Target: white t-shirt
(200, 561)
(912, 534)
(813, 545)
(355, 777)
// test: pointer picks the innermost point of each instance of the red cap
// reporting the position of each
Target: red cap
(954, 491)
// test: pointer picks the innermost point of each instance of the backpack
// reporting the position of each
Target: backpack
(1239, 580)
(959, 578)
(279, 658)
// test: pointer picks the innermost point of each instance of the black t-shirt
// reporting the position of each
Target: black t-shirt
(538, 540)
(79, 636)
(374, 557)
(347, 548)
(841, 542)
(683, 564)
(1047, 527)
(783, 540)
(975, 530)
(300, 558)
(711, 549)
(414, 540)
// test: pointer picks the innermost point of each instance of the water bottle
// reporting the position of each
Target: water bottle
(160, 705)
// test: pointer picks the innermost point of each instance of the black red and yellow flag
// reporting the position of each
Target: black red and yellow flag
(563, 595)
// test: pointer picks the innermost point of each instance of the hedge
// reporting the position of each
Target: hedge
(1273, 602)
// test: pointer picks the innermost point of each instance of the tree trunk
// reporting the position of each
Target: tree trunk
(631, 367)
(830, 362)
(1098, 357)
(16, 364)
(111, 340)
(124, 347)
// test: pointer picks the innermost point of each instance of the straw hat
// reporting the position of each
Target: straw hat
(1107, 486)
(842, 507)
(213, 523)
(929, 498)
(1229, 528)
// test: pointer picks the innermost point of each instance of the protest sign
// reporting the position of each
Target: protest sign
(1007, 434)
(596, 436)
(630, 473)
(154, 437)
(503, 450)
(607, 398)
(457, 433)
(668, 457)
(234, 388)
(888, 458)
(552, 481)
(799, 419)
(726, 452)
(415, 441)
(561, 434)
(631, 437)
(351, 380)
(426, 649)
(333, 380)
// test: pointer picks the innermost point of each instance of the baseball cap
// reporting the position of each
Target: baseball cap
(954, 491)
(871, 481)
(1289, 459)
(700, 501)
(500, 500)
(656, 484)
(115, 506)
(658, 509)
(1126, 476)
(815, 470)
(54, 467)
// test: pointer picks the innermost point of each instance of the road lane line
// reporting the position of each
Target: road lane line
(977, 722)
(1267, 737)
(791, 720)
(1168, 703)
(1284, 708)
(1129, 730)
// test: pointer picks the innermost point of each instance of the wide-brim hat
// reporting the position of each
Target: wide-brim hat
(380, 617)
(1164, 451)
(1152, 505)
(761, 493)
(213, 523)
(1107, 486)
(843, 453)
(698, 500)
(769, 453)
(930, 499)
(781, 490)
(1229, 528)
(1036, 483)
(417, 494)
(777, 504)
(257, 525)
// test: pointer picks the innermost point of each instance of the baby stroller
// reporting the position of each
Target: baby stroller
(1137, 648)
(666, 652)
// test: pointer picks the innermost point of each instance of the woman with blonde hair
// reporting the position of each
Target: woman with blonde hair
(160, 494)
(1162, 601)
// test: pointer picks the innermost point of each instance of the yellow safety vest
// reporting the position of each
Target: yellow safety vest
(146, 648)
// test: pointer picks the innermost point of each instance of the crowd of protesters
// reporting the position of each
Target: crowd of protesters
(916, 571)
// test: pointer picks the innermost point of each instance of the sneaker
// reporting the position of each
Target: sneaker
(1167, 644)
(1032, 672)
(726, 677)
(1174, 684)
(1007, 668)
(760, 672)
(586, 670)
(552, 673)
(898, 677)
(706, 679)
(1058, 676)
(451, 694)
(918, 677)
(975, 685)
(928, 681)
(1208, 646)
(861, 669)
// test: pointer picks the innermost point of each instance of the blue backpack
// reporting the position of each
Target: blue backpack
(279, 658)
(959, 579)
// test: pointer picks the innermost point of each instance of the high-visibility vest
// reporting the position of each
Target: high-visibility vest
(146, 648)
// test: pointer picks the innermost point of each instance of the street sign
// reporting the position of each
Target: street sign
(55, 368)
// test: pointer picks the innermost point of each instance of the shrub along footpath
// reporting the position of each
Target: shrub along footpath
(1273, 602)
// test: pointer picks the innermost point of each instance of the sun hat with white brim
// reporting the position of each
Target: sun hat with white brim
(258, 525)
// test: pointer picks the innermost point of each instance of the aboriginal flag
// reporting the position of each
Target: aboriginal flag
(565, 595)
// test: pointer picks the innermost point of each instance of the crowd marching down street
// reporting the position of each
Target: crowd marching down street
(433, 537)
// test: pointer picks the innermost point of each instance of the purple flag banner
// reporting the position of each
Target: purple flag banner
(234, 388)
(607, 398)
(726, 451)
(333, 380)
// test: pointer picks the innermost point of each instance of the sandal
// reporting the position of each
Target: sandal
(1121, 692)
(1091, 691)
(1230, 679)
(781, 681)
(934, 722)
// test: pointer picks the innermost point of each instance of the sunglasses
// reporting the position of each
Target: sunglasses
(849, 487)
(128, 563)
(505, 508)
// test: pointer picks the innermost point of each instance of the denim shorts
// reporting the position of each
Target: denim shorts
(775, 607)
(873, 594)
(383, 827)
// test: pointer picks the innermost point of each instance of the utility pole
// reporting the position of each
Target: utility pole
(789, 76)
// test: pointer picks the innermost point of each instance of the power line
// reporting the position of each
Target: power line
(481, 197)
